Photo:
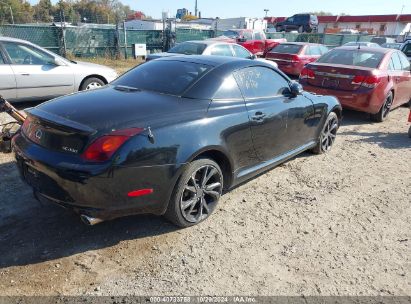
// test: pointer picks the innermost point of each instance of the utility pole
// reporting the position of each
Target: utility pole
(266, 10)
(196, 9)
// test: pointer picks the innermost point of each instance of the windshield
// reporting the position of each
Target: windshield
(287, 49)
(188, 48)
(167, 77)
(354, 57)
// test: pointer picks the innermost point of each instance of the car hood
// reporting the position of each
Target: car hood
(93, 68)
(107, 109)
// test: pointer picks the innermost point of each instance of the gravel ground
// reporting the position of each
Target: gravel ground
(334, 224)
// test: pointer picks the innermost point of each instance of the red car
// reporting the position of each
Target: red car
(371, 80)
(253, 40)
(409, 120)
(291, 57)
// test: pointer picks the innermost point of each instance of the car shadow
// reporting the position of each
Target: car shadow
(385, 140)
(34, 232)
(350, 117)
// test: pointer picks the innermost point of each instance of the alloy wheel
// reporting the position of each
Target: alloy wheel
(329, 133)
(387, 106)
(201, 194)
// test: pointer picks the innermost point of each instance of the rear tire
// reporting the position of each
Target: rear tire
(328, 134)
(196, 193)
(92, 83)
(384, 111)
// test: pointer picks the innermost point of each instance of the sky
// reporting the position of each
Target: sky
(250, 8)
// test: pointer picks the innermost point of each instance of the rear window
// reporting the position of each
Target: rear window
(355, 57)
(188, 48)
(167, 77)
(287, 49)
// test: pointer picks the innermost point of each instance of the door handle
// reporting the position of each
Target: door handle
(258, 116)
(25, 74)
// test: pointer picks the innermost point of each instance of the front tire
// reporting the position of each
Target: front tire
(196, 193)
(92, 83)
(328, 134)
(384, 111)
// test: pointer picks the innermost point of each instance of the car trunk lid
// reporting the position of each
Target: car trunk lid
(342, 77)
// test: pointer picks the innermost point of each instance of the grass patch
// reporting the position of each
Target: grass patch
(120, 65)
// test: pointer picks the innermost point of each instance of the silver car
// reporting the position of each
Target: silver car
(209, 47)
(29, 72)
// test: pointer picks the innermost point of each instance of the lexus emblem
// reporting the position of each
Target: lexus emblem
(38, 134)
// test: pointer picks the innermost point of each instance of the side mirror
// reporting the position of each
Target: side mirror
(57, 62)
(241, 39)
(253, 56)
(296, 89)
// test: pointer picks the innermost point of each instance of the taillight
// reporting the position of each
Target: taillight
(369, 81)
(295, 58)
(26, 125)
(307, 73)
(103, 148)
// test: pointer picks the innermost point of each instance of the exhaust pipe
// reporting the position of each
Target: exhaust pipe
(90, 221)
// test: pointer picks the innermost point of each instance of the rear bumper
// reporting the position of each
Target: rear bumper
(99, 191)
(369, 101)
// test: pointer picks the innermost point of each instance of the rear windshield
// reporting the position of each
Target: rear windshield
(287, 49)
(188, 48)
(167, 77)
(354, 57)
(231, 34)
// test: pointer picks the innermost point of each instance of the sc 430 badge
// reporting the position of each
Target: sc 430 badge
(68, 149)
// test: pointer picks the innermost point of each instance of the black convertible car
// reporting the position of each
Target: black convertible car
(169, 137)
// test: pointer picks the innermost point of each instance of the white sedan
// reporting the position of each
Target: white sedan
(29, 72)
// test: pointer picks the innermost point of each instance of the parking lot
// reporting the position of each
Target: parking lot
(334, 224)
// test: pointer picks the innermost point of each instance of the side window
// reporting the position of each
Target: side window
(25, 54)
(391, 65)
(1, 59)
(404, 62)
(221, 50)
(315, 50)
(258, 36)
(228, 89)
(307, 51)
(291, 19)
(407, 49)
(260, 82)
(240, 51)
(324, 49)
(396, 62)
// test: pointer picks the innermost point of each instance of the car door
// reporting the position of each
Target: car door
(37, 76)
(396, 72)
(405, 84)
(7, 80)
(267, 106)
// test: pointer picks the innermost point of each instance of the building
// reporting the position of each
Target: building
(393, 25)
(145, 25)
(240, 23)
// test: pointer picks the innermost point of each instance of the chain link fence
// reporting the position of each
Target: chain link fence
(111, 42)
